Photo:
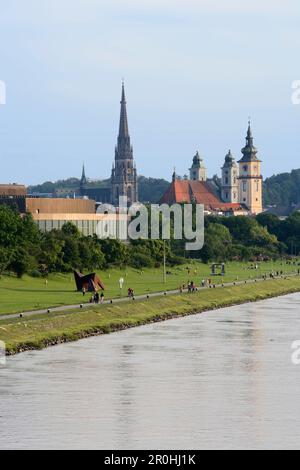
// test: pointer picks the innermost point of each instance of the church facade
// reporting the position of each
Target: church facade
(239, 192)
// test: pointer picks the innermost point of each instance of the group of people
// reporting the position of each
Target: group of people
(191, 286)
(97, 299)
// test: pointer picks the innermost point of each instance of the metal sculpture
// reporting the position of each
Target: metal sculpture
(89, 283)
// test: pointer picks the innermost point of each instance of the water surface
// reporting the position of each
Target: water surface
(222, 379)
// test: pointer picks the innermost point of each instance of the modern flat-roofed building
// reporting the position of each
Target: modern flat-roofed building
(102, 225)
(13, 195)
(60, 206)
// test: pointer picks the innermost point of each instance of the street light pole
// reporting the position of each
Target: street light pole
(165, 274)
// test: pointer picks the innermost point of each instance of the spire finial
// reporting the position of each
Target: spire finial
(249, 133)
(123, 99)
(174, 176)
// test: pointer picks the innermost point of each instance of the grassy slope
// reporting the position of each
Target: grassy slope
(39, 332)
(19, 295)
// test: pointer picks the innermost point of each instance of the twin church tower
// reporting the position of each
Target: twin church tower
(243, 184)
(241, 181)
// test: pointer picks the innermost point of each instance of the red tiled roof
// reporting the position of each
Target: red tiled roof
(188, 191)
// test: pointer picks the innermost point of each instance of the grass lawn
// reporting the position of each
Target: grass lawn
(20, 295)
(41, 331)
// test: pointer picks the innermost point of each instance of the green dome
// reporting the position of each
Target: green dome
(229, 160)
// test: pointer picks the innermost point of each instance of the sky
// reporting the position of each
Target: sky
(194, 71)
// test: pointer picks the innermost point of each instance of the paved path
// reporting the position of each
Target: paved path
(70, 308)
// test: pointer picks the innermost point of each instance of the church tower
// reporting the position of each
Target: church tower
(230, 182)
(198, 170)
(250, 178)
(83, 182)
(124, 175)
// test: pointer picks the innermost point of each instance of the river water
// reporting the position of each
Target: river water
(222, 380)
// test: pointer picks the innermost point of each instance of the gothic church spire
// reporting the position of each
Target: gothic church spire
(124, 149)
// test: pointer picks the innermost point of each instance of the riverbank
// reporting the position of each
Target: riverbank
(55, 328)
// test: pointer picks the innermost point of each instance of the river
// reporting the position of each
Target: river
(222, 379)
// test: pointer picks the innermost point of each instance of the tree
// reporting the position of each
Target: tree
(70, 230)
(21, 262)
(10, 227)
(51, 252)
(217, 243)
(71, 259)
(90, 253)
(270, 221)
(6, 255)
(115, 251)
(290, 233)
(151, 190)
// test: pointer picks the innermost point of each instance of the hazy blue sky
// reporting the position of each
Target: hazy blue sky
(194, 71)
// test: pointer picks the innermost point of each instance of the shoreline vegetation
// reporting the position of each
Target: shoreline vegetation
(41, 331)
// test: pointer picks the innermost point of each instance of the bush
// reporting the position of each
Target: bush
(35, 273)
(175, 260)
(141, 260)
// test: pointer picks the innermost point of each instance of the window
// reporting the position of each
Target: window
(244, 186)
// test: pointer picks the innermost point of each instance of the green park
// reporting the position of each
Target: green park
(258, 255)
(29, 293)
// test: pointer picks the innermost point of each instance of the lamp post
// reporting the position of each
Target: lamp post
(121, 283)
(165, 274)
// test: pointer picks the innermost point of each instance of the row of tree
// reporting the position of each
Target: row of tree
(150, 189)
(24, 249)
